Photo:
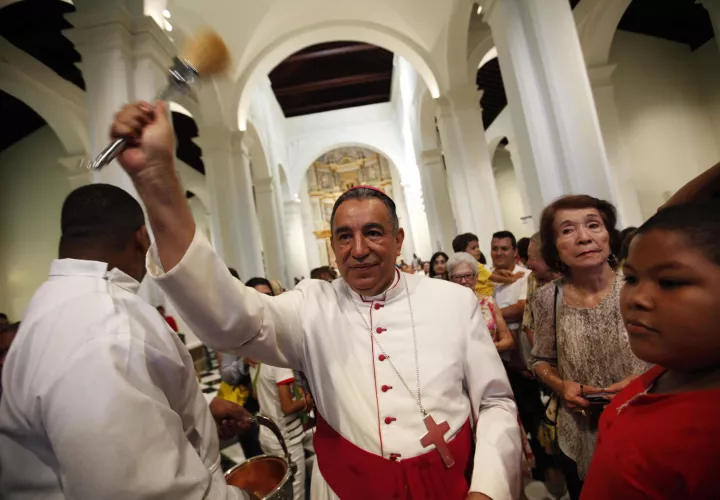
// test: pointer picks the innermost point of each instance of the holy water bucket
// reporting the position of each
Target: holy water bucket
(267, 477)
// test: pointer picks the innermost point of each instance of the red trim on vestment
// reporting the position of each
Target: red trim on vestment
(377, 399)
(355, 474)
(286, 381)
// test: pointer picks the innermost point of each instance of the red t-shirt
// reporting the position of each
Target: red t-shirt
(657, 445)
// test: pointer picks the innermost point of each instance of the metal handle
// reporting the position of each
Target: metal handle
(267, 422)
(181, 75)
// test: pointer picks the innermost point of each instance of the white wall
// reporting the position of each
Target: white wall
(34, 187)
(511, 205)
(374, 126)
(668, 104)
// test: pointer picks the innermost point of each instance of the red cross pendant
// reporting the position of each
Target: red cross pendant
(436, 435)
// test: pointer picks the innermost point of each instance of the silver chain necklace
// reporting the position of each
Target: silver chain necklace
(417, 397)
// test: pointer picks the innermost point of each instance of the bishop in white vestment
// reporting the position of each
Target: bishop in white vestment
(385, 368)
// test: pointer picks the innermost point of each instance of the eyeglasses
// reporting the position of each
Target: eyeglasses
(463, 277)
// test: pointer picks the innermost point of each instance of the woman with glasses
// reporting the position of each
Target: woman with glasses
(462, 269)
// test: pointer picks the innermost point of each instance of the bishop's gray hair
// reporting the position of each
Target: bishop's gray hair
(462, 258)
(366, 193)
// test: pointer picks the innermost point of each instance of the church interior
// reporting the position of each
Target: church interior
(472, 115)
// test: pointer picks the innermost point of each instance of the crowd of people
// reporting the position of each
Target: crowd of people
(583, 357)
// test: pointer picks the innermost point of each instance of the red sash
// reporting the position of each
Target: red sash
(355, 474)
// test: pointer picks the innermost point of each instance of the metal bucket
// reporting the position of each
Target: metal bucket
(267, 477)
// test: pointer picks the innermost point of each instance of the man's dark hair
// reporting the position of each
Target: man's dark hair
(3, 316)
(253, 282)
(318, 272)
(522, 247)
(366, 193)
(100, 216)
(11, 328)
(506, 234)
(234, 273)
(697, 223)
(461, 241)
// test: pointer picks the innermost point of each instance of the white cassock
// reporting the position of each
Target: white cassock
(319, 328)
(101, 400)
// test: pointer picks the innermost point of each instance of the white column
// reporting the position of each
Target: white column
(550, 99)
(398, 196)
(628, 204)
(246, 219)
(469, 167)
(528, 218)
(713, 8)
(418, 220)
(124, 58)
(217, 156)
(297, 258)
(435, 187)
(308, 219)
(270, 229)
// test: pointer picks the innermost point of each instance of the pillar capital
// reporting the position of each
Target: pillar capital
(214, 139)
(431, 157)
(464, 97)
(601, 76)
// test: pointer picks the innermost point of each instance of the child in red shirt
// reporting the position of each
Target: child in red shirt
(659, 437)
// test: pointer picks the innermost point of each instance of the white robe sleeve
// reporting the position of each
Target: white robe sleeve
(497, 470)
(225, 314)
(113, 432)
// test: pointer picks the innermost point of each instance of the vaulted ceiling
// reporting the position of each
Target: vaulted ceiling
(331, 76)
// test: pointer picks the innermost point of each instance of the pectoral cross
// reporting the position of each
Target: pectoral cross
(436, 435)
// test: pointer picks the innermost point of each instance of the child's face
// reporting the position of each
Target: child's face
(670, 302)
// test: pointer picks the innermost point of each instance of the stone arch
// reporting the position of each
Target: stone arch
(480, 54)
(261, 170)
(310, 155)
(597, 22)
(328, 31)
(426, 121)
(457, 43)
(57, 101)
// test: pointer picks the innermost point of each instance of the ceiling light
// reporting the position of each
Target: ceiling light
(166, 13)
(168, 26)
(478, 11)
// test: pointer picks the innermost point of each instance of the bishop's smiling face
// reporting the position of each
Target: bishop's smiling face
(365, 245)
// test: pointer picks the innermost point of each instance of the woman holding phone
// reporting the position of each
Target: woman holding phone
(581, 347)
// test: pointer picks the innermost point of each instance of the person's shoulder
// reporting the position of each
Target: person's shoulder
(545, 295)
(441, 291)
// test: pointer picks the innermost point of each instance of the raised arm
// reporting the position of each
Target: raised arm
(702, 187)
(498, 447)
(221, 311)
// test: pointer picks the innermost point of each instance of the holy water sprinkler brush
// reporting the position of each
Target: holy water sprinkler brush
(204, 55)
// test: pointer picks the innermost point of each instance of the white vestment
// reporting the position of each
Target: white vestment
(319, 328)
(101, 400)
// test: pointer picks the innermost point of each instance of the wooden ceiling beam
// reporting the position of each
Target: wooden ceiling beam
(342, 81)
(333, 105)
(348, 49)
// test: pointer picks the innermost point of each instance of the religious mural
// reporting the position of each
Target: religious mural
(334, 173)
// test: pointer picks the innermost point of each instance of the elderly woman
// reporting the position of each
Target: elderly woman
(462, 269)
(581, 346)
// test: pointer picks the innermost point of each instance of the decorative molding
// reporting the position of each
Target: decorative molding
(601, 76)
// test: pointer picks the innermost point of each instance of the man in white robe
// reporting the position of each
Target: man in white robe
(101, 399)
(366, 342)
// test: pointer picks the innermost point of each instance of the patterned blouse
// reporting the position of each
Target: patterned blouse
(592, 349)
